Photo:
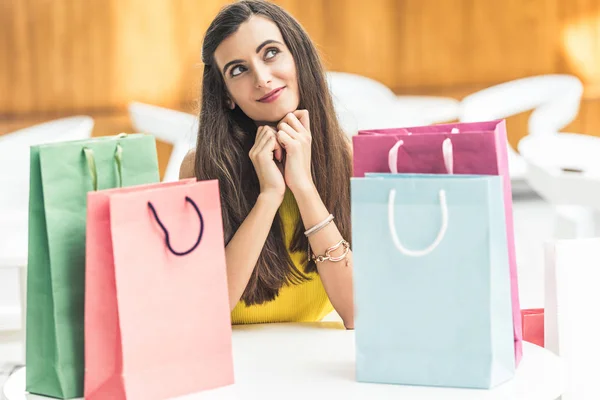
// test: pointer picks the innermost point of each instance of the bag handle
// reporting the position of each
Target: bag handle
(447, 153)
(393, 156)
(166, 232)
(91, 163)
(440, 236)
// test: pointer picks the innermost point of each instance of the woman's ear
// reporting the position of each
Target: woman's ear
(230, 103)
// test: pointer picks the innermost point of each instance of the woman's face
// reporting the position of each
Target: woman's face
(259, 71)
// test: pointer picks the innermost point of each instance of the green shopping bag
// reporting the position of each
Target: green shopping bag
(61, 176)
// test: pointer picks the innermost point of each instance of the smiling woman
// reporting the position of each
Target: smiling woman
(269, 134)
(259, 74)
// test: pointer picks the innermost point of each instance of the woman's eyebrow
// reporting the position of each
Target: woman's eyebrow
(230, 63)
(266, 42)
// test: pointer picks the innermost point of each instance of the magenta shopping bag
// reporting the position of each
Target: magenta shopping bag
(478, 148)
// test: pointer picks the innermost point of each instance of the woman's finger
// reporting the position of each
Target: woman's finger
(269, 144)
(272, 144)
(293, 122)
(277, 149)
(259, 133)
(264, 138)
(303, 117)
(284, 126)
(287, 142)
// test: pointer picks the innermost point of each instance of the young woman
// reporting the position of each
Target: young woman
(269, 134)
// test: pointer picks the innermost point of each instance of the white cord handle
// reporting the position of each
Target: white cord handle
(393, 157)
(447, 153)
(394, 233)
(448, 156)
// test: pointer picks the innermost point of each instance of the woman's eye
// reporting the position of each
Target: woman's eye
(272, 52)
(238, 69)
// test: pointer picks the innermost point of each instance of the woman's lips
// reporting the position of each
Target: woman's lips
(271, 96)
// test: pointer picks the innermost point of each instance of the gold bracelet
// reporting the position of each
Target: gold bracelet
(328, 257)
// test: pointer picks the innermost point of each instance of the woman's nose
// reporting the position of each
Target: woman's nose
(262, 76)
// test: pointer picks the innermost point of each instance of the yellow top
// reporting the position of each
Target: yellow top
(304, 302)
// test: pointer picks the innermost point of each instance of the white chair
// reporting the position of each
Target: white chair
(14, 152)
(178, 128)
(554, 99)
(564, 169)
(364, 103)
(14, 182)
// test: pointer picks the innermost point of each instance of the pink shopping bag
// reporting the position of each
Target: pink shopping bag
(478, 148)
(157, 318)
(533, 325)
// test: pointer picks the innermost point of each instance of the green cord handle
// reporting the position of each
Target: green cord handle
(91, 162)
(119, 161)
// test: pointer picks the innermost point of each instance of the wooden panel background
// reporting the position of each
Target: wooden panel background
(60, 57)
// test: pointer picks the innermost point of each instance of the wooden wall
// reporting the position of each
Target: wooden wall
(60, 57)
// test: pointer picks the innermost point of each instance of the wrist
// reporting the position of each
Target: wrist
(307, 194)
(305, 190)
(270, 199)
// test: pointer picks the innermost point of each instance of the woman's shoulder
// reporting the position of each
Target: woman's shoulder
(188, 165)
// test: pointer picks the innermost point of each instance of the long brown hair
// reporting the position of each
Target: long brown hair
(225, 137)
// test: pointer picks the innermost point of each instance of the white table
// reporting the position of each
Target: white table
(309, 361)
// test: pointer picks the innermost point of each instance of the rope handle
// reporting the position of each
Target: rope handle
(438, 239)
(166, 232)
(93, 169)
(447, 154)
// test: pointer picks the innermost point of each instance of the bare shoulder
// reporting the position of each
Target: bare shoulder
(188, 165)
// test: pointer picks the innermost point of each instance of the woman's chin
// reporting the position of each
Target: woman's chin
(273, 119)
(281, 112)
(275, 114)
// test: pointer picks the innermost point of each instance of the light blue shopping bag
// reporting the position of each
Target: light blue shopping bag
(431, 280)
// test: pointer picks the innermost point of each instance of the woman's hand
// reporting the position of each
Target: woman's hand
(294, 136)
(263, 154)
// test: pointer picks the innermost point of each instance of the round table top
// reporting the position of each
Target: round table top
(301, 361)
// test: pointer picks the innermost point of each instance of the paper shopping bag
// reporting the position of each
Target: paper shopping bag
(431, 281)
(479, 148)
(157, 317)
(570, 312)
(61, 176)
(533, 326)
